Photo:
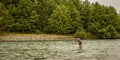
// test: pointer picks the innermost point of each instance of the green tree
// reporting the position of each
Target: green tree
(108, 32)
(5, 18)
(85, 13)
(75, 16)
(102, 18)
(80, 34)
(60, 21)
(24, 16)
(44, 9)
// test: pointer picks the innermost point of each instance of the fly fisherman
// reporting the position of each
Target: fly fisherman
(79, 42)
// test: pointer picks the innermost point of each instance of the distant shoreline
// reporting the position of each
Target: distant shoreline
(9, 37)
(33, 37)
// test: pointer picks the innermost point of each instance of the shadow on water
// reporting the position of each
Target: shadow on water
(60, 50)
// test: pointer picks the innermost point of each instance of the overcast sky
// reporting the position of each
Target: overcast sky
(114, 3)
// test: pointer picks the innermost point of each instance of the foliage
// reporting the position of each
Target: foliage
(108, 32)
(60, 21)
(5, 18)
(80, 34)
(59, 17)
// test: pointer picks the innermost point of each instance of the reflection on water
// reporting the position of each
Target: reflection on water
(60, 50)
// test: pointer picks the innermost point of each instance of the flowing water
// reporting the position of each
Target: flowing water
(60, 50)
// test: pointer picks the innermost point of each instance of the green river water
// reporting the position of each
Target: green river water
(60, 50)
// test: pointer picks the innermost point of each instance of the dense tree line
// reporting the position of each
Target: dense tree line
(79, 18)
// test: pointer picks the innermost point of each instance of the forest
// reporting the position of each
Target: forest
(65, 17)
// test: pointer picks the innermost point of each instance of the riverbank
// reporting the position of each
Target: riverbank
(33, 37)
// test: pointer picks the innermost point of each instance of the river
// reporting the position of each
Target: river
(60, 50)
